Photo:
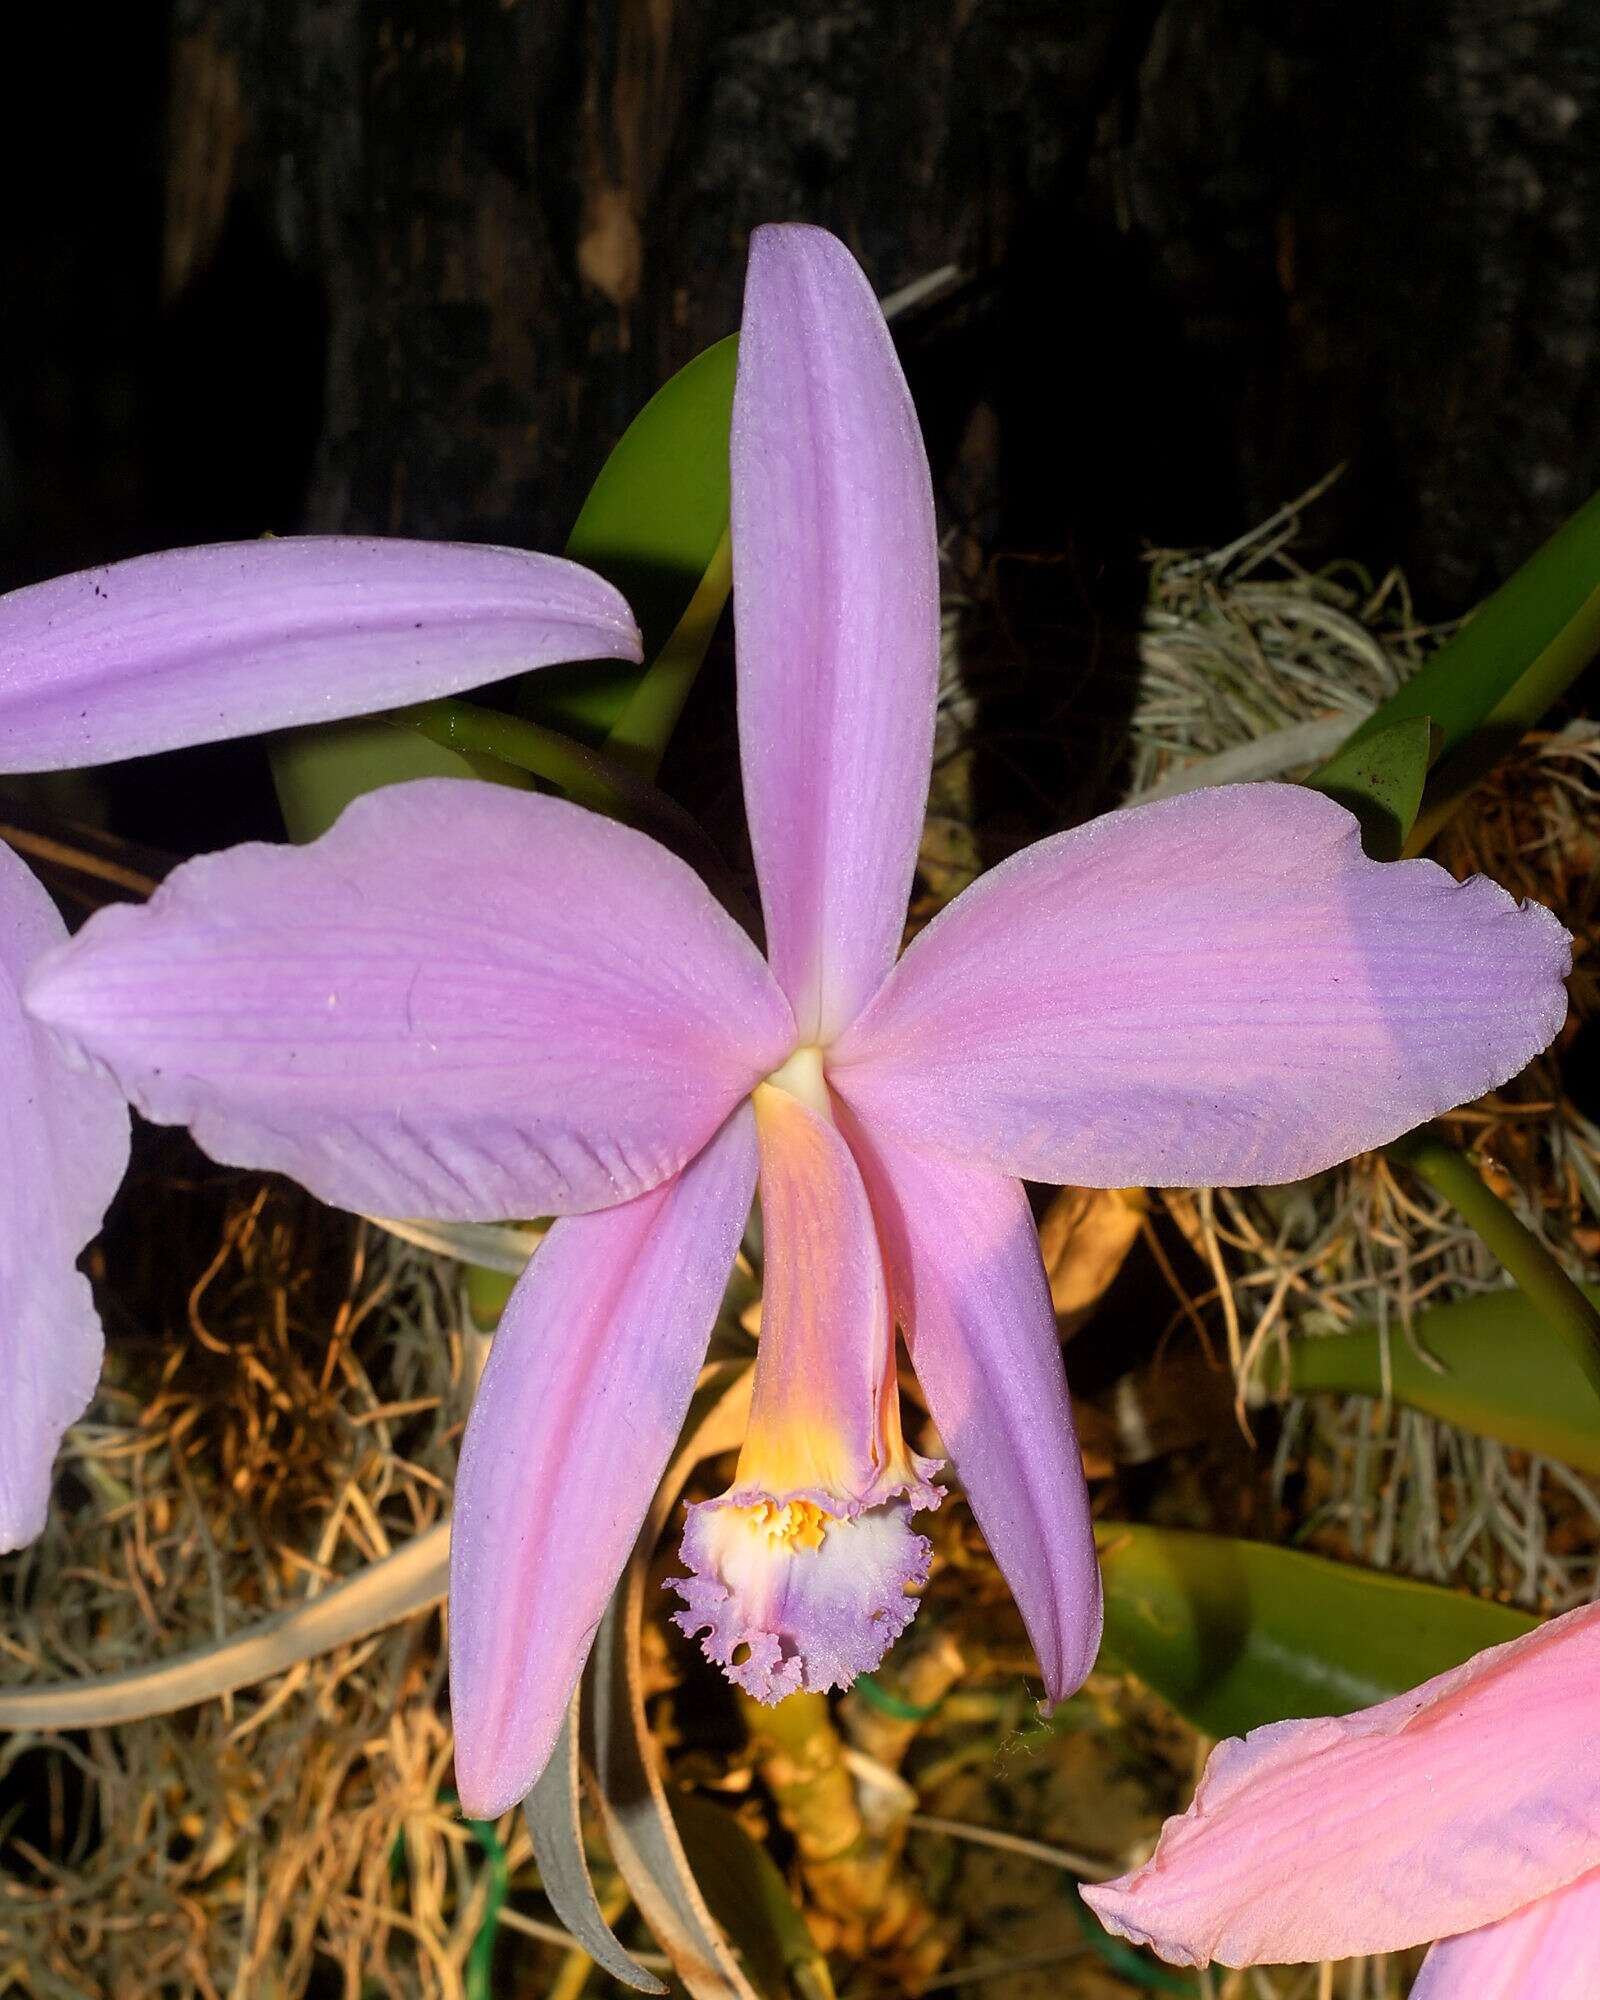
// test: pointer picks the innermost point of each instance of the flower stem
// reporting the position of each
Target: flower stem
(641, 732)
(1526, 1260)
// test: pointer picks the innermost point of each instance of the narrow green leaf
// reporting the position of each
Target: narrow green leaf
(1494, 680)
(1235, 1634)
(1380, 779)
(1534, 634)
(1504, 1372)
(750, 1899)
(651, 526)
(1527, 1262)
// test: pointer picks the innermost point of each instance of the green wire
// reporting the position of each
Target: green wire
(480, 1956)
(877, 1696)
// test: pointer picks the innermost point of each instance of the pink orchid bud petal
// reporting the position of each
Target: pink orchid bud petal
(1444, 1809)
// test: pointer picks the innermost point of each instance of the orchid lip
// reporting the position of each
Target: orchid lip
(803, 1592)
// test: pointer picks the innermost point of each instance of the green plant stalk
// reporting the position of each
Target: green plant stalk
(1526, 1260)
(1491, 1364)
(644, 728)
(462, 726)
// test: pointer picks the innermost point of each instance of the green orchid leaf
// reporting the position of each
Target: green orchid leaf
(1516, 655)
(1380, 779)
(1235, 1634)
(750, 1899)
(1502, 1371)
(317, 772)
(1569, 1312)
(652, 525)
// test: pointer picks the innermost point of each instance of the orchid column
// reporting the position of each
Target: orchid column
(475, 1004)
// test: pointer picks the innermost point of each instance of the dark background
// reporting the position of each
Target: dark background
(340, 264)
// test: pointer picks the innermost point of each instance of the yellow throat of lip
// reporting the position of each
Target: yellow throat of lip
(798, 1524)
(802, 1077)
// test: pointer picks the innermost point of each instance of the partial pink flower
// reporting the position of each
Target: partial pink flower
(492, 1005)
(1467, 1810)
(66, 1145)
(191, 646)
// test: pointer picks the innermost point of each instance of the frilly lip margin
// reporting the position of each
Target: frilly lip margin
(778, 1618)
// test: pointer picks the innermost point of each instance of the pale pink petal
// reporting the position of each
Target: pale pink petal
(803, 1569)
(836, 605)
(1549, 1951)
(969, 1287)
(1219, 988)
(464, 1002)
(195, 645)
(66, 1147)
(585, 1390)
(1444, 1809)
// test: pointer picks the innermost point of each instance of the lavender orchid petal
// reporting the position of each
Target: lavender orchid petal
(970, 1290)
(1549, 1948)
(836, 601)
(1218, 988)
(66, 1145)
(586, 1388)
(463, 1002)
(196, 645)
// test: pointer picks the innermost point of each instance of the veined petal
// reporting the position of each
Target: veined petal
(802, 1570)
(970, 1289)
(836, 605)
(1550, 1949)
(1444, 1809)
(462, 1002)
(585, 1391)
(195, 645)
(66, 1147)
(1218, 988)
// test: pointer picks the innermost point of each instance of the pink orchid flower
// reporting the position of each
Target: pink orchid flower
(469, 1003)
(1467, 1810)
(192, 646)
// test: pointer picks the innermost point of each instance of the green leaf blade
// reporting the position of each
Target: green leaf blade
(1235, 1634)
(1380, 778)
(1503, 1372)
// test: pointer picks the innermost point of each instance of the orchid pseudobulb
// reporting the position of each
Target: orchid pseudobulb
(471, 1003)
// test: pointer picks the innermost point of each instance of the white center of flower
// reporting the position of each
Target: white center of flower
(802, 1076)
